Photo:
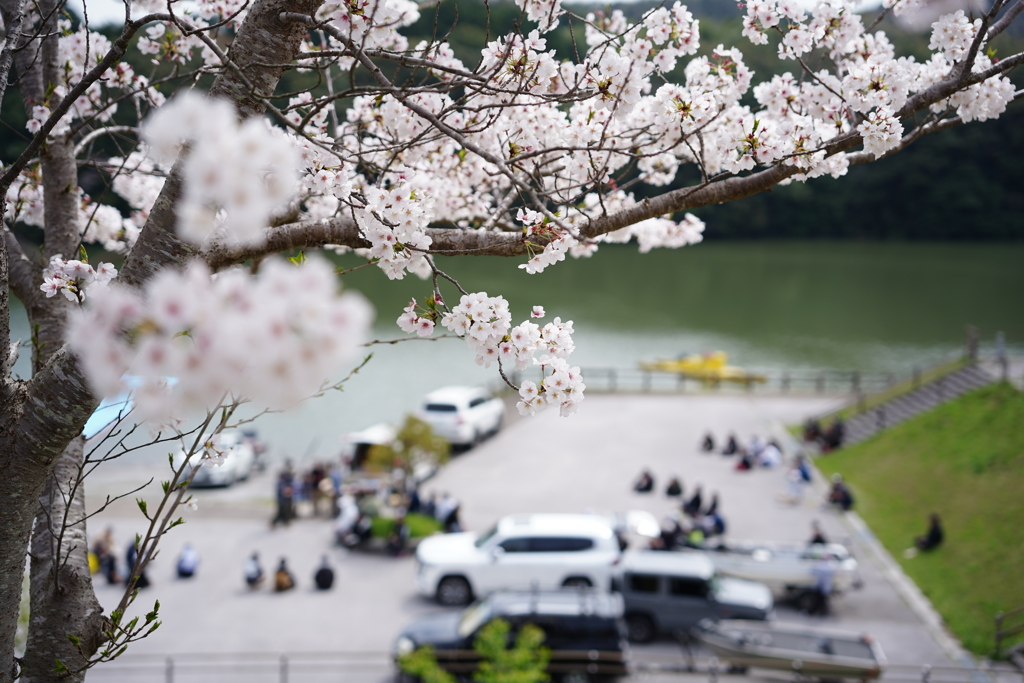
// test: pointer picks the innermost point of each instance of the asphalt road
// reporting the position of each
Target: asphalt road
(545, 464)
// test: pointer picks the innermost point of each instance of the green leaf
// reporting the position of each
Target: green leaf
(74, 639)
(299, 258)
(175, 523)
(165, 485)
(60, 668)
(142, 506)
(83, 255)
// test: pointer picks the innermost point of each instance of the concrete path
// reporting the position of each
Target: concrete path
(544, 464)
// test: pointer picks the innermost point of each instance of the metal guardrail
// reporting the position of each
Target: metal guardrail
(630, 380)
(1003, 632)
(377, 666)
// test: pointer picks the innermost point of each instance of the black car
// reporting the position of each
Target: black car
(582, 628)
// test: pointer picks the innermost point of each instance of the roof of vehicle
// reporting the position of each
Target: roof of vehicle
(685, 563)
(554, 524)
(455, 394)
(569, 602)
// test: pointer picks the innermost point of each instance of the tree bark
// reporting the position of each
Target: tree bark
(42, 416)
(62, 599)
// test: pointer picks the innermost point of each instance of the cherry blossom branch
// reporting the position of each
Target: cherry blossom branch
(1005, 20)
(100, 132)
(116, 52)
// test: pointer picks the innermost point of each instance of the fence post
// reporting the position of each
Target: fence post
(681, 383)
(169, 670)
(999, 634)
(855, 382)
(646, 382)
(613, 383)
(284, 668)
(785, 382)
(820, 382)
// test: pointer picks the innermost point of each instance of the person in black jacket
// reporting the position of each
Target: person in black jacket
(933, 539)
(324, 577)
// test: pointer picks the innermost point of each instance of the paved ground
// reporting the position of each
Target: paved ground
(545, 464)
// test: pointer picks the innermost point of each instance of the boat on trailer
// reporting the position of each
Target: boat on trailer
(804, 650)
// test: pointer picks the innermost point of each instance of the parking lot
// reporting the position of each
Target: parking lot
(545, 464)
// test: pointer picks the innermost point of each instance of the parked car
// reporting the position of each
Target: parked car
(462, 415)
(237, 465)
(543, 552)
(582, 628)
(666, 592)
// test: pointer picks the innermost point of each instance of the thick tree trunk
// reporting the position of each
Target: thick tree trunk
(62, 598)
(42, 416)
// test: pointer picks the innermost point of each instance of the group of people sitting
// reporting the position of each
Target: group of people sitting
(828, 439)
(758, 453)
(284, 580)
(693, 524)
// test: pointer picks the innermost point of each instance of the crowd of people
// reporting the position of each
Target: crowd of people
(692, 523)
(756, 453)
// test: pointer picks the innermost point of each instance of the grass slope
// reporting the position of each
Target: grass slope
(965, 461)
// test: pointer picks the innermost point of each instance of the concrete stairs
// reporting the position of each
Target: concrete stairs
(905, 406)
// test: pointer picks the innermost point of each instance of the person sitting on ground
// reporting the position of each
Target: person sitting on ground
(833, 436)
(812, 430)
(675, 488)
(324, 577)
(695, 539)
(731, 447)
(744, 463)
(399, 536)
(692, 507)
(283, 579)
(645, 484)
(188, 562)
(840, 495)
(817, 537)
(933, 539)
(709, 443)
(713, 508)
(770, 455)
(253, 572)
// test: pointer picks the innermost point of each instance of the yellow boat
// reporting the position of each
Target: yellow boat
(712, 366)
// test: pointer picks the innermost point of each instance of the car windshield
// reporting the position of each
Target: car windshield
(441, 408)
(479, 543)
(473, 618)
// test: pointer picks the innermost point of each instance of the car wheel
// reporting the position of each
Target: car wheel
(639, 628)
(453, 591)
(577, 582)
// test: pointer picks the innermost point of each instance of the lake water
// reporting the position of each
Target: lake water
(872, 307)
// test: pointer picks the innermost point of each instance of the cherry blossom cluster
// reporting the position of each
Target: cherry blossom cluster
(394, 221)
(72, 277)
(560, 240)
(235, 175)
(272, 337)
(562, 386)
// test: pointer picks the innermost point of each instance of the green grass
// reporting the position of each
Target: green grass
(419, 526)
(965, 461)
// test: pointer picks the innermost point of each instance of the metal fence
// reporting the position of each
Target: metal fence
(376, 667)
(628, 380)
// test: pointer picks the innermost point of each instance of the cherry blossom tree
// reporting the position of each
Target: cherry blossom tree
(399, 152)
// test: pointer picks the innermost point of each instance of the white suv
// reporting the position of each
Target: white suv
(462, 415)
(540, 552)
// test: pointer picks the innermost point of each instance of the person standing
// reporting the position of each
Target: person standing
(285, 494)
(131, 557)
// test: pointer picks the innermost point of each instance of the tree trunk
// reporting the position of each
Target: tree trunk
(42, 416)
(62, 598)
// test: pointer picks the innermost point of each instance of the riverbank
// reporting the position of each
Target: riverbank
(965, 461)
